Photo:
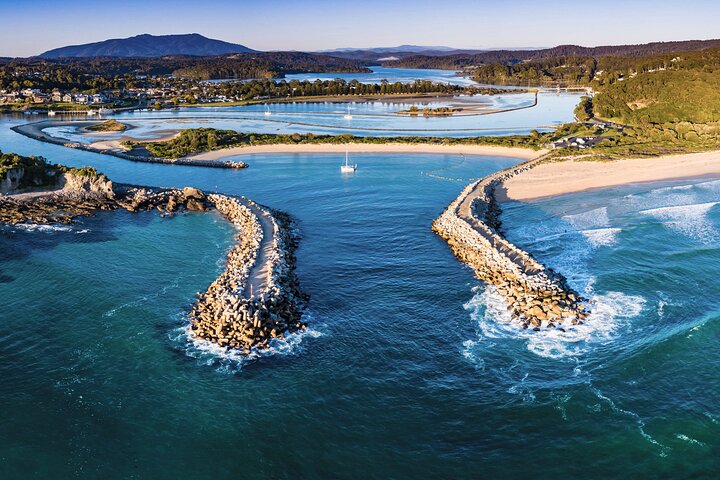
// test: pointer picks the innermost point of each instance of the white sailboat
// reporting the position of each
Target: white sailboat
(347, 116)
(267, 111)
(348, 167)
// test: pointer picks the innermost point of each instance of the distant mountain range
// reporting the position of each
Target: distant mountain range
(149, 46)
(377, 54)
(409, 56)
(463, 59)
(398, 49)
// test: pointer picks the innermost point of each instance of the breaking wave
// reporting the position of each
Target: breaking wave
(689, 220)
(601, 237)
(229, 360)
(590, 219)
(34, 227)
(489, 310)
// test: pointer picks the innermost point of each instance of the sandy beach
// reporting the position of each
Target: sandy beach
(521, 153)
(550, 179)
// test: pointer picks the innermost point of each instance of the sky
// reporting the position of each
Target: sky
(30, 27)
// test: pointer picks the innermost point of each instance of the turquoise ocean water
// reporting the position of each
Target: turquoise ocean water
(408, 370)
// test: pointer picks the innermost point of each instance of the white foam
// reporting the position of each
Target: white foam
(562, 400)
(661, 308)
(712, 418)
(689, 440)
(141, 300)
(640, 422)
(34, 227)
(689, 220)
(489, 310)
(595, 218)
(230, 360)
(667, 196)
(601, 237)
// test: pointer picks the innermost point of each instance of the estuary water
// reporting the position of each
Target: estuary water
(368, 118)
(408, 369)
(377, 74)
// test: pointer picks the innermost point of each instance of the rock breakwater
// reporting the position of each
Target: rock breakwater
(229, 312)
(536, 296)
(256, 299)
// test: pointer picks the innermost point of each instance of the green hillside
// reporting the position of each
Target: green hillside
(662, 97)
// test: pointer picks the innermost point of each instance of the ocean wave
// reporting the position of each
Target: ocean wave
(689, 440)
(689, 220)
(595, 218)
(601, 237)
(561, 401)
(35, 227)
(640, 422)
(141, 300)
(230, 360)
(711, 185)
(488, 308)
(712, 418)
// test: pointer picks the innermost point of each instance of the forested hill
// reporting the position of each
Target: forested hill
(149, 46)
(105, 73)
(685, 88)
(265, 65)
(509, 57)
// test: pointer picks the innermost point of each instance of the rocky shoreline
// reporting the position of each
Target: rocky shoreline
(35, 131)
(227, 313)
(230, 313)
(535, 295)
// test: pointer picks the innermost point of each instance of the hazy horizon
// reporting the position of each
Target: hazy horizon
(41, 25)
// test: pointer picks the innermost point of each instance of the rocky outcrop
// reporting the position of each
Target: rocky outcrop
(80, 185)
(230, 312)
(11, 182)
(226, 313)
(71, 195)
(55, 208)
(536, 296)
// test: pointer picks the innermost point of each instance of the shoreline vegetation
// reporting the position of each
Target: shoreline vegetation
(200, 143)
(210, 147)
(108, 126)
(35, 131)
(398, 97)
(620, 159)
(430, 112)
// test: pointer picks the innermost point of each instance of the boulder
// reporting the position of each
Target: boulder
(195, 205)
(194, 193)
(171, 204)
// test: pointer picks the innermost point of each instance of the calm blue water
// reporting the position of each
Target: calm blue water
(392, 75)
(371, 118)
(409, 369)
